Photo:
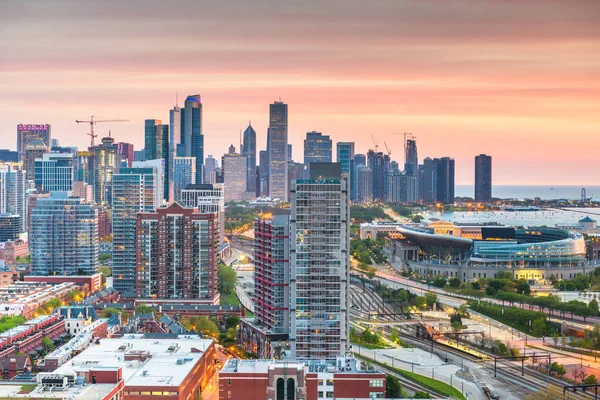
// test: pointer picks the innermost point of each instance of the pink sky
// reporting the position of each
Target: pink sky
(519, 80)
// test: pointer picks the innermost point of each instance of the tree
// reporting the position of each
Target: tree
(514, 352)
(227, 279)
(591, 380)
(558, 369)
(108, 312)
(539, 327)
(430, 299)
(392, 387)
(593, 307)
(476, 285)
(394, 335)
(523, 288)
(454, 283)
(456, 326)
(144, 309)
(48, 344)
(420, 301)
(579, 374)
(421, 395)
(232, 321)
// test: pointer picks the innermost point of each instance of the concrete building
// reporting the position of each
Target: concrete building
(429, 193)
(210, 170)
(184, 174)
(445, 180)
(14, 192)
(235, 178)
(54, 172)
(63, 239)
(277, 141)
(483, 178)
(137, 189)
(411, 158)
(317, 148)
(126, 151)
(24, 298)
(157, 147)
(84, 191)
(27, 133)
(341, 378)
(176, 254)
(320, 271)
(9, 155)
(106, 163)
(249, 151)
(208, 199)
(34, 150)
(379, 164)
(363, 184)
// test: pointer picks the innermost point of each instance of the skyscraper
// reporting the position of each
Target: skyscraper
(126, 152)
(319, 260)
(379, 164)
(13, 192)
(483, 178)
(277, 146)
(10, 227)
(26, 133)
(235, 176)
(317, 148)
(35, 149)
(157, 147)
(107, 162)
(192, 138)
(63, 239)
(445, 180)
(137, 189)
(345, 154)
(429, 180)
(184, 174)
(363, 183)
(290, 152)
(249, 151)
(411, 159)
(55, 172)
(210, 170)
(176, 255)
(263, 171)
(208, 199)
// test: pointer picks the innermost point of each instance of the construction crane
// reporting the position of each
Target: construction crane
(92, 122)
(375, 142)
(406, 135)
(389, 152)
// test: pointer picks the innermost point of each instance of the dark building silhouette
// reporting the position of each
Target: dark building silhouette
(445, 180)
(483, 178)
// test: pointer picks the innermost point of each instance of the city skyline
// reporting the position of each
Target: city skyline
(504, 78)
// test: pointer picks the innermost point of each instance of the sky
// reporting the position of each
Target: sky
(518, 80)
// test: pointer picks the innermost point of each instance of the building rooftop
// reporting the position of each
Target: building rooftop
(587, 219)
(87, 392)
(341, 365)
(170, 361)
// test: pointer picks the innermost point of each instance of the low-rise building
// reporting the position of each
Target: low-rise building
(9, 251)
(87, 283)
(24, 298)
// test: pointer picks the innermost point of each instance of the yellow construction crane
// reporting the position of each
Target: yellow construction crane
(93, 122)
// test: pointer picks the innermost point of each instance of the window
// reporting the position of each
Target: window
(329, 382)
(376, 395)
(228, 382)
(376, 383)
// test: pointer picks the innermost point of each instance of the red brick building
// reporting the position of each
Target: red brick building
(9, 251)
(104, 223)
(13, 366)
(87, 283)
(311, 380)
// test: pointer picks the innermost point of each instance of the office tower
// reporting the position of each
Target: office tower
(126, 151)
(411, 159)
(8, 155)
(483, 178)
(13, 192)
(176, 255)
(157, 147)
(84, 169)
(136, 189)
(63, 239)
(363, 184)
(429, 180)
(445, 180)
(210, 167)
(83, 191)
(263, 170)
(139, 155)
(107, 162)
(27, 133)
(277, 142)
(31, 204)
(379, 164)
(249, 151)
(295, 171)
(10, 227)
(290, 153)
(319, 260)
(35, 149)
(235, 177)
(404, 188)
(231, 149)
(345, 154)
(55, 143)
(359, 159)
(208, 199)
(54, 172)
(184, 174)
(317, 148)
(177, 149)
(192, 139)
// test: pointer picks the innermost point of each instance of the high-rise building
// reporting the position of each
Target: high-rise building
(429, 181)
(363, 184)
(379, 164)
(35, 149)
(290, 153)
(317, 148)
(54, 172)
(8, 155)
(139, 155)
(358, 159)
(107, 162)
(83, 191)
(10, 227)
(192, 138)
(319, 259)
(184, 174)
(296, 171)
(63, 239)
(483, 178)
(208, 199)
(235, 176)
(263, 170)
(277, 141)
(210, 170)
(126, 151)
(84, 170)
(26, 133)
(157, 147)
(411, 159)
(137, 189)
(249, 151)
(345, 154)
(177, 149)
(445, 180)
(13, 192)
(404, 188)
(176, 255)
(31, 204)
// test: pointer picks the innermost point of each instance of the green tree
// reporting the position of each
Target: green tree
(420, 301)
(421, 395)
(593, 307)
(144, 309)
(232, 321)
(539, 327)
(456, 326)
(392, 387)
(591, 380)
(227, 279)
(523, 287)
(430, 299)
(394, 335)
(454, 283)
(108, 312)
(102, 258)
(558, 369)
(48, 344)
(514, 352)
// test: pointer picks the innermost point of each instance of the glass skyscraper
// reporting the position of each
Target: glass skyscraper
(317, 148)
(184, 174)
(483, 178)
(63, 237)
(249, 151)
(192, 139)
(157, 147)
(13, 192)
(277, 141)
(55, 172)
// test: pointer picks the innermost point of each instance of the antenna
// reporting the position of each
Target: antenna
(176, 99)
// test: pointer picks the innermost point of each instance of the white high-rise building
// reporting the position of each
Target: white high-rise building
(235, 177)
(207, 199)
(13, 191)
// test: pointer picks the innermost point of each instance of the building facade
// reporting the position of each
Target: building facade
(106, 163)
(192, 138)
(249, 151)
(10, 227)
(235, 177)
(483, 178)
(26, 133)
(208, 199)
(157, 146)
(176, 255)
(445, 180)
(34, 150)
(63, 239)
(184, 174)
(277, 141)
(317, 148)
(126, 151)
(54, 172)
(14, 192)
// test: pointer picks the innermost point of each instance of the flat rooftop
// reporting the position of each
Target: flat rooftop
(349, 365)
(88, 392)
(171, 360)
